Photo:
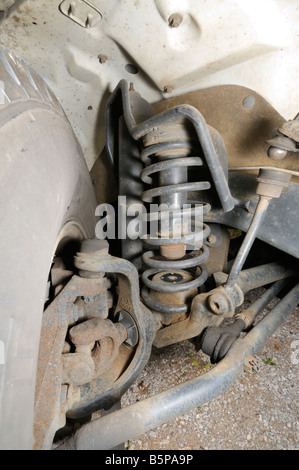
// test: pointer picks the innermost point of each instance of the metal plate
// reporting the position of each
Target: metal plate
(244, 119)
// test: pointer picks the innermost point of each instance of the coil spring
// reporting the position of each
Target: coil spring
(170, 155)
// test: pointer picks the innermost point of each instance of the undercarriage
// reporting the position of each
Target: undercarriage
(194, 204)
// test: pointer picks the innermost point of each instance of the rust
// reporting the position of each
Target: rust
(245, 134)
(173, 251)
(218, 254)
(168, 89)
(97, 341)
(102, 58)
(78, 368)
(291, 130)
(57, 316)
(93, 330)
(173, 298)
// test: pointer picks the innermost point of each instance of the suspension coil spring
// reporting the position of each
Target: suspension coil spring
(167, 155)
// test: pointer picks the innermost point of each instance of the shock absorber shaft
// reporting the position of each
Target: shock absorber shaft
(174, 176)
(240, 259)
(167, 159)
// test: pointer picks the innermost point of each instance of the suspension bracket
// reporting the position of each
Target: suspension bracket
(103, 355)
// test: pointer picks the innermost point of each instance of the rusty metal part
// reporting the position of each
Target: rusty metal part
(218, 303)
(93, 248)
(53, 399)
(285, 139)
(97, 343)
(141, 123)
(95, 329)
(244, 130)
(201, 316)
(169, 148)
(175, 303)
(290, 129)
(64, 310)
(59, 273)
(283, 143)
(106, 389)
(136, 419)
(77, 368)
(217, 261)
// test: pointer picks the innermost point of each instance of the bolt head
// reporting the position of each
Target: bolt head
(276, 153)
(175, 20)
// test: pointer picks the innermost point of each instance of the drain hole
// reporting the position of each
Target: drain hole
(130, 68)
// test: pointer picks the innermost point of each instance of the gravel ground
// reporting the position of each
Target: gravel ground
(259, 411)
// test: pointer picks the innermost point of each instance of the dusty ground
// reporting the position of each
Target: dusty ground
(260, 410)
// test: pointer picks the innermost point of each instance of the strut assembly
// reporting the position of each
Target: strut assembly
(170, 144)
(163, 289)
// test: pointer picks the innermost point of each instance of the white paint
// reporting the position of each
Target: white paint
(2, 352)
(2, 92)
(251, 43)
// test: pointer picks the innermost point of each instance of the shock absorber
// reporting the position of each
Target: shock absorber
(167, 155)
(171, 143)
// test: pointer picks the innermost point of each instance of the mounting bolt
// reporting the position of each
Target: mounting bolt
(276, 153)
(102, 58)
(175, 20)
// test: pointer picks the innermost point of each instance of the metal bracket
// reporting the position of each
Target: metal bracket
(61, 312)
(104, 391)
